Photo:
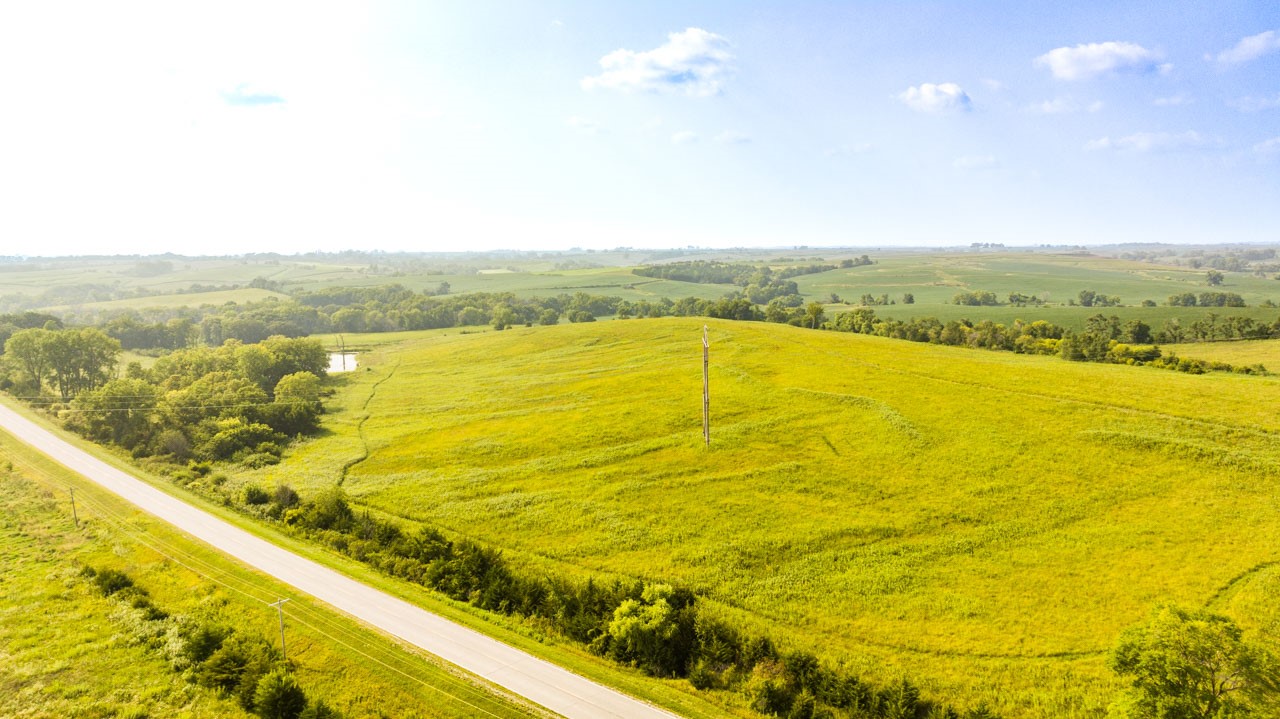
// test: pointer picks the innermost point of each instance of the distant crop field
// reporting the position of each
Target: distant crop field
(1245, 352)
(186, 299)
(985, 522)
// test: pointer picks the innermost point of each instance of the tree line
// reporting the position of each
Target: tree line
(662, 629)
(240, 402)
(1104, 339)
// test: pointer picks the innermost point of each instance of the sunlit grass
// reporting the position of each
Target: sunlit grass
(984, 521)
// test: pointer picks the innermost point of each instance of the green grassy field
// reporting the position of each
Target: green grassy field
(64, 652)
(1243, 352)
(933, 277)
(985, 522)
(186, 299)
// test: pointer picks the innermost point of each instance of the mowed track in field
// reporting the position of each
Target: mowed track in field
(986, 522)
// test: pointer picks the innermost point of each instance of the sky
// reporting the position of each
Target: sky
(228, 128)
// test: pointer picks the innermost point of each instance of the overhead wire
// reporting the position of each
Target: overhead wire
(228, 580)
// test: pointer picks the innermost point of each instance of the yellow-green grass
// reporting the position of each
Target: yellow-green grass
(64, 651)
(676, 695)
(1242, 352)
(984, 522)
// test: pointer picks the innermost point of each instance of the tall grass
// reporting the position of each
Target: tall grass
(986, 523)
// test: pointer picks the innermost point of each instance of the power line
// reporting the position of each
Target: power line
(118, 522)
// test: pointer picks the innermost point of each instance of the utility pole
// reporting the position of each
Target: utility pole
(279, 605)
(74, 517)
(706, 388)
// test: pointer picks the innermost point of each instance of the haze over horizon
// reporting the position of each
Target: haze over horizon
(144, 128)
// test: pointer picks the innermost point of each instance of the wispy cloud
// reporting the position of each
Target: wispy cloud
(1063, 105)
(1249, 49)
(732, 137)
(693, 62)
(929, 97)
(1268, 147)
(1154, 141)
(1254, 104)
(1178, 100)
(861, 148)
(1087, 61)
(684, 137)
(243, 95)
(976, 162)
(583, 125)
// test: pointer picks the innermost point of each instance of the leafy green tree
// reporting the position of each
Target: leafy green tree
(121, 411)
(814, 313)
(1214, 278)
(296, 409)
(25, 350)
(1193, 664)
(656, 631)
(278, 696)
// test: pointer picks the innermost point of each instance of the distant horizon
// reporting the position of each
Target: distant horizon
(688, 249)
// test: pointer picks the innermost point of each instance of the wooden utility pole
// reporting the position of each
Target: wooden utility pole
(74, 517)
(279, 605)
(706, 388)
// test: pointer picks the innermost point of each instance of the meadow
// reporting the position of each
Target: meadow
(986, 523)
(66, 651)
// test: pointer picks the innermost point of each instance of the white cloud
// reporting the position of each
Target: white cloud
(583, 125)
(993, 84)
(1062, 106)
(936, 98)
(1153, 141)
(1268, 147)
(246, 95)
(1084, 62)
(684, 137)
(976, 162)
(1250, 48)
(694, 62)
(1254, 104)
(1178, 100)
(732, 137)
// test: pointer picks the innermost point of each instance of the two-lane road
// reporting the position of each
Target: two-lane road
(540, 682)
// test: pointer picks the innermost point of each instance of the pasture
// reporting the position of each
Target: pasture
(984, 522)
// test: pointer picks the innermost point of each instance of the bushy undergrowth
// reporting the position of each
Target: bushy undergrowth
(655, 627)
(211, 655)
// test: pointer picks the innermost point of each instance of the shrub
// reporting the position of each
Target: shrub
(278, 696)
(110, 581)
(255, 495)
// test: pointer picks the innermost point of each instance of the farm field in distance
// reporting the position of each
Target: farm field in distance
(90, 286)
(985, 522)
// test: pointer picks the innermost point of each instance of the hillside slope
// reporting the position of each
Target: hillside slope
(984, 521)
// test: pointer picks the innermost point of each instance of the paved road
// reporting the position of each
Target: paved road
(538, 681)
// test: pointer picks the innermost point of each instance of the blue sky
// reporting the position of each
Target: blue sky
(134, 127)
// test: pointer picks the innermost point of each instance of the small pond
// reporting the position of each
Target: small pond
(341, 362)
